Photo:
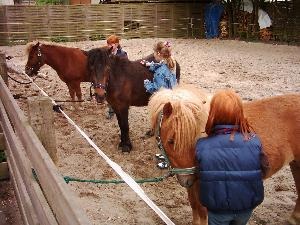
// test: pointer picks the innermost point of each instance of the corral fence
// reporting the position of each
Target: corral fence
(43, 196)
(20, 24)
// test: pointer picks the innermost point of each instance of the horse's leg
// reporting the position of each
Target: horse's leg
(71, 91)
(199, 211)
(295, 168)
(77, 88)
(122, 116)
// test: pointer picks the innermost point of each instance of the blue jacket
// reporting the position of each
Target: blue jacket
(121, 53)
(230, 171)
(163, 77)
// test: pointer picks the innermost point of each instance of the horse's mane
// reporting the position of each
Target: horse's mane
(189, 114)
(30, 45)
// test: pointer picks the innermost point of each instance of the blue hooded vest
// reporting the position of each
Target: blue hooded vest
(230, 171)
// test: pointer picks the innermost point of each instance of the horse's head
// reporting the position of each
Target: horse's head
(99, 69)
(178, 118)
(35, 59)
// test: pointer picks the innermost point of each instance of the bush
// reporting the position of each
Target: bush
(59, 39)
(97, 37)
(52, 2)
(2, 156)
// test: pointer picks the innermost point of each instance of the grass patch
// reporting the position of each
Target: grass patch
(2, 156)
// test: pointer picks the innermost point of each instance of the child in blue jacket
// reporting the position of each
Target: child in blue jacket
(231, 163)
(164, 71)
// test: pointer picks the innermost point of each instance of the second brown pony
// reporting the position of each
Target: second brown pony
(276, 120)
(121, 83)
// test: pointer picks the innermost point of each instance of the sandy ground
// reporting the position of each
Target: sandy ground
(255, 70)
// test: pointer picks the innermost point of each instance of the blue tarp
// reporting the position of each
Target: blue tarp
(212, 14)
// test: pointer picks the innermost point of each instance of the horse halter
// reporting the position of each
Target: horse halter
(172, 171)
(101, 86)
(39, 63)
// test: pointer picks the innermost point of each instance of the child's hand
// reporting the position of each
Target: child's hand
(146, 82)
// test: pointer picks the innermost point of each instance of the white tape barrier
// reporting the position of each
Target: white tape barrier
(128, 179)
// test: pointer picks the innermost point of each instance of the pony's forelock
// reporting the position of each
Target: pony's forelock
(188, 117)
(29, 46)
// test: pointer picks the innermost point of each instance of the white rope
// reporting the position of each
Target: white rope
(128, 179)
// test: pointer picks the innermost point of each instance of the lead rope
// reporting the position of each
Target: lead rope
(126, 177)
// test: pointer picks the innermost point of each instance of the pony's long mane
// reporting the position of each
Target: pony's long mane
(189, 115)
(97, 58)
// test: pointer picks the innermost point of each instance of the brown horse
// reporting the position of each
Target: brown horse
(276, 120)
(121, 83)
(69, 63)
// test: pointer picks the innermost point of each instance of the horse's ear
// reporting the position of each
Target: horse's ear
(167, 109)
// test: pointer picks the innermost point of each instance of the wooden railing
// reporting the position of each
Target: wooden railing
(43, 198)
(21, 24)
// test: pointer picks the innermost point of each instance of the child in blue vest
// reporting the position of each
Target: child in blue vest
(164, 71)
(231, 163)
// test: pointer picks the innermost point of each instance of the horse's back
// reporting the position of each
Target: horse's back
(126, 83)
(74, 65)
(276, 120)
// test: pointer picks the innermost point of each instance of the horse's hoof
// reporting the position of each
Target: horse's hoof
(109, 116)
(149, 133)
(125, 147)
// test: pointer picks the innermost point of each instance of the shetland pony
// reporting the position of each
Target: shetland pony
(121, 82)
(276, 120)
(69, 63)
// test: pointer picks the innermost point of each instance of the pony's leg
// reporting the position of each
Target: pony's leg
(295, 217)
(122, 116)
(78, 91)
(198, 210)
(71, 91)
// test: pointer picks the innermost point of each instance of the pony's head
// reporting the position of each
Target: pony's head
(35, 58)
(99, 69)
(179, 117)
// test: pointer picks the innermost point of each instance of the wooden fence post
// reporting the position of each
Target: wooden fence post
(3, 68)
(40, 116)
(4, 171)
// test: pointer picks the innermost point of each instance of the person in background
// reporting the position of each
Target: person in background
(113, 41)
(164, 71)
(231, 163)
(212, 16)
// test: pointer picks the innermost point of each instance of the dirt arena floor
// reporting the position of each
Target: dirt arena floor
(255, 70)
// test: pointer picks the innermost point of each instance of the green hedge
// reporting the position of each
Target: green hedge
(2, 156)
